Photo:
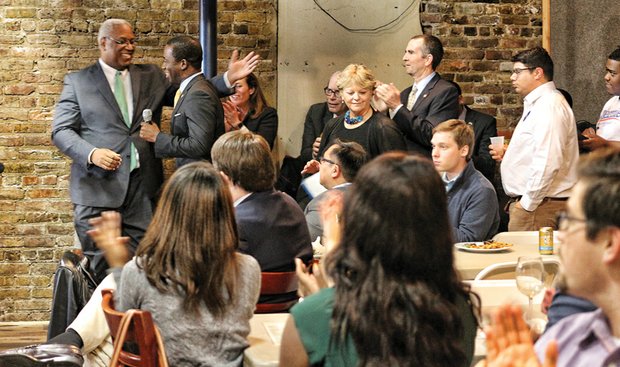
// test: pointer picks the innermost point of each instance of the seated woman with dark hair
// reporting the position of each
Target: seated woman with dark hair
(248, 108)
(187, 272)
(397, 299)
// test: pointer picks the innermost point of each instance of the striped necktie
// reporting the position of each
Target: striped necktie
(411, 100)
(119, 94)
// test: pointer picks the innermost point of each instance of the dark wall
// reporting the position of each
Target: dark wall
(583, 34)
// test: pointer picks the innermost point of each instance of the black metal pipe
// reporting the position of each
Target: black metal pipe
(208, 36)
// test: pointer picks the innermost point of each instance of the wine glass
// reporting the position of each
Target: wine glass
(530, 275)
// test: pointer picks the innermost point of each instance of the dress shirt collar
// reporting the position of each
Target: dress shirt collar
(186, 81)
(241, 199)
(449, 183)
(598, 329)
(463, 114)
(341, 185)
(110, 72)
(540, 91)
(424, 82)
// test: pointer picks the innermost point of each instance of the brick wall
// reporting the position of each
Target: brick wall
(40, 40)
(480, 37)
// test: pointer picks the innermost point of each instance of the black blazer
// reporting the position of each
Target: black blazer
(316, 118)
(197, 121)
(485, 126)
(437, 103)
(265, 124)
(272, 229)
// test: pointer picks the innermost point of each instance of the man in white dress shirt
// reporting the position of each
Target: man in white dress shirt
(539, 166)
(608, 126)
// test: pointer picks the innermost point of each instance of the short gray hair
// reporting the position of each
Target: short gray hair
(106, 27)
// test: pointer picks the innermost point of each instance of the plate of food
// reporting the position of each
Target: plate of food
(486, 246)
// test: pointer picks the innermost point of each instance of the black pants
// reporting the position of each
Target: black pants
(136, 213)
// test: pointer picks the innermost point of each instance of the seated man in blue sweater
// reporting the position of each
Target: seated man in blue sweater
(472, 203)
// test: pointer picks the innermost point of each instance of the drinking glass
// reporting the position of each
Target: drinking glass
(530, 275)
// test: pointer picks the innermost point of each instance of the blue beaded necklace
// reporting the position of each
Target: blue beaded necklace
(352, 120)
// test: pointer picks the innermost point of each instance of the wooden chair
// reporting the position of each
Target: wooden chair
(141, 331)
(275, 283)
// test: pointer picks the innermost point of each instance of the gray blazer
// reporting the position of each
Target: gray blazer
(87, 117)
(197, 121)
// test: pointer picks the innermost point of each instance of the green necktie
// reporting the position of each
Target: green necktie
(119, 94)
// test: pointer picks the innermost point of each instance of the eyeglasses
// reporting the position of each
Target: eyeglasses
(323, 160)
(518, 71)
(331, 92)
(123, 41)
(562, 219)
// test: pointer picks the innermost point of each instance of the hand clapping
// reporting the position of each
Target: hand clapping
(106, 233)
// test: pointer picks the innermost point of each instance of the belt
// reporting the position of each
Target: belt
(555, 199)
(513, 199)
(548, 198)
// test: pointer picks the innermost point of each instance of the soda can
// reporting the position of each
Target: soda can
(545, 241)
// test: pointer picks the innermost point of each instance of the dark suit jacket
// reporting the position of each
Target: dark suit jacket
(437, 103)
(87, 116)
(485, 126)
(273, 230)
(316, 118)
(265, 124)
(197, 121)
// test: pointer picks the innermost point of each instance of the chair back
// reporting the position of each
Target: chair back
(275, 283)
(138, 329)
(506, 270)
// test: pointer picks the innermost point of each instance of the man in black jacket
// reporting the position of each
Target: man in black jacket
(485, 126)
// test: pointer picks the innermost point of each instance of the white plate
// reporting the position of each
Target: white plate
(461, 246)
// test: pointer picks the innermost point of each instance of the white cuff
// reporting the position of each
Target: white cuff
(90, 156)
(394, 111)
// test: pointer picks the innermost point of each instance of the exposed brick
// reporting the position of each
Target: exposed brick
(12, 269)
(20, 89)
(483, 43)
(250, 17)
(30, 180)
(20, 12)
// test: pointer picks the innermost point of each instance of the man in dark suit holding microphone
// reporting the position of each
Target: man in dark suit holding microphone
(198, 118)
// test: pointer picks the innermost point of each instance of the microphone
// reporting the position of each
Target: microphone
(147, 115)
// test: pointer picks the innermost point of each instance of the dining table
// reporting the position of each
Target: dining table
(470, 263)
(266, 329)
(265, 335)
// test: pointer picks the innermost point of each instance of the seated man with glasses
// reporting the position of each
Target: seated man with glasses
(590, 254)
(317, 117)
(338, 167)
